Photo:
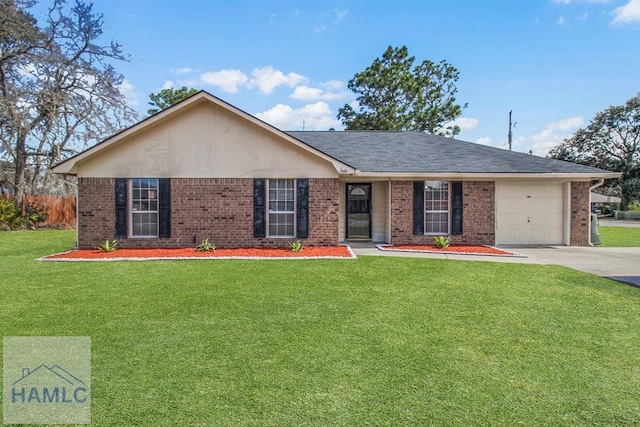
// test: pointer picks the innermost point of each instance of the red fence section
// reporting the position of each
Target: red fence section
(61, 210)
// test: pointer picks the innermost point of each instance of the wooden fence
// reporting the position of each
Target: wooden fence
(61, 210)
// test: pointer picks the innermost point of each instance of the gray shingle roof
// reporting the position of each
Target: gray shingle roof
(418, 152)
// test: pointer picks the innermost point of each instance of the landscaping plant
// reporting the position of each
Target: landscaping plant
(205, 246)
(10, 218)
(296, 246)
(108, 246)
(37, 213)
(441, 242)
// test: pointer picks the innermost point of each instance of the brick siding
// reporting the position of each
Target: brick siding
(220, 209)
(580, 220)
(478, 214)
(96, 211)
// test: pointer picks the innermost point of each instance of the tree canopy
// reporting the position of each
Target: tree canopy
(168, 97)
(612, 142)
(394, 94)
(58, 88)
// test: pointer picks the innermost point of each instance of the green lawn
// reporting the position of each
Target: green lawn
(619, 237)
(371, 341)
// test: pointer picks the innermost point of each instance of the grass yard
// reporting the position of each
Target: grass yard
(371, 341)
(619, 237)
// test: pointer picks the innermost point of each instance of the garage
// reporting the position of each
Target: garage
(529, 213)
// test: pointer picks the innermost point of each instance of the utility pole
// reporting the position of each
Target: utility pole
(510, 133)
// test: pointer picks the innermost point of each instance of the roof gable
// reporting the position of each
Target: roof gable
(95, 154)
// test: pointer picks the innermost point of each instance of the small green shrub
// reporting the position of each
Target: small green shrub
(108, 246)
(634, 207)
(10, 218)
(441, 241)
(205, 246)
(36, 214)
(296, 246)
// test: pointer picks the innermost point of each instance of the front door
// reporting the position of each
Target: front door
(358, 211)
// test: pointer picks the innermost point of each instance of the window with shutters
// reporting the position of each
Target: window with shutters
(144, 207)
(436, 207)
(281, 202)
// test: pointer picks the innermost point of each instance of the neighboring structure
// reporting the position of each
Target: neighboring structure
(604, 199)
(205, 169)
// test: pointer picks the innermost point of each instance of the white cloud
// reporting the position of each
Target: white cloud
(552, 135)
(266, 79)
(330, 18)
(188, 83)
(229, 81)
(334, 84)
(27, 70)
(485, 140)
(465, 123)
(541, 142)
(317, 116)
(306, 93)
(566, 124)
(169, 84)
(130, 93)
(183, 70)
(126, 87)
(583, 17)
(340, 14)
(627, 14)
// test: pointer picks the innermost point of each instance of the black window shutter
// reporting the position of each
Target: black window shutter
(121, 208)
(418, 207)
(259, 208)
(164, 211)
(456, 214)
(302, 208)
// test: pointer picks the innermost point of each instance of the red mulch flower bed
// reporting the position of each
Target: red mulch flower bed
(190, 253)
(454, 249)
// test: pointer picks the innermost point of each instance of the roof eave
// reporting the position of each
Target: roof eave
(484, 176)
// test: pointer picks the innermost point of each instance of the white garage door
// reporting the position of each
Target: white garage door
(530, 214)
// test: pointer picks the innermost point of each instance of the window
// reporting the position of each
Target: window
(282, 208)
(436, 205)
(144, 207)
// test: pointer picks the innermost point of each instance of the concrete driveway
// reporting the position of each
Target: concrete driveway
(621, 264)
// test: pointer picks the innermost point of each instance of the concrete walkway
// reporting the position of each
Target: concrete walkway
(622, 264)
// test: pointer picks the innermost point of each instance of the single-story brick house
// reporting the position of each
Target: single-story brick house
(206, 169)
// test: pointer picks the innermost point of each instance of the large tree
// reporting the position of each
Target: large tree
(395, 94)
(58, 88)
(167, 97)
(612, 142)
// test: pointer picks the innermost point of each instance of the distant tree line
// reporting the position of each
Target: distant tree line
(612, 142)
(59, 90)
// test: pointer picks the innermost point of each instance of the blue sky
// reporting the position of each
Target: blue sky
(555, 63)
